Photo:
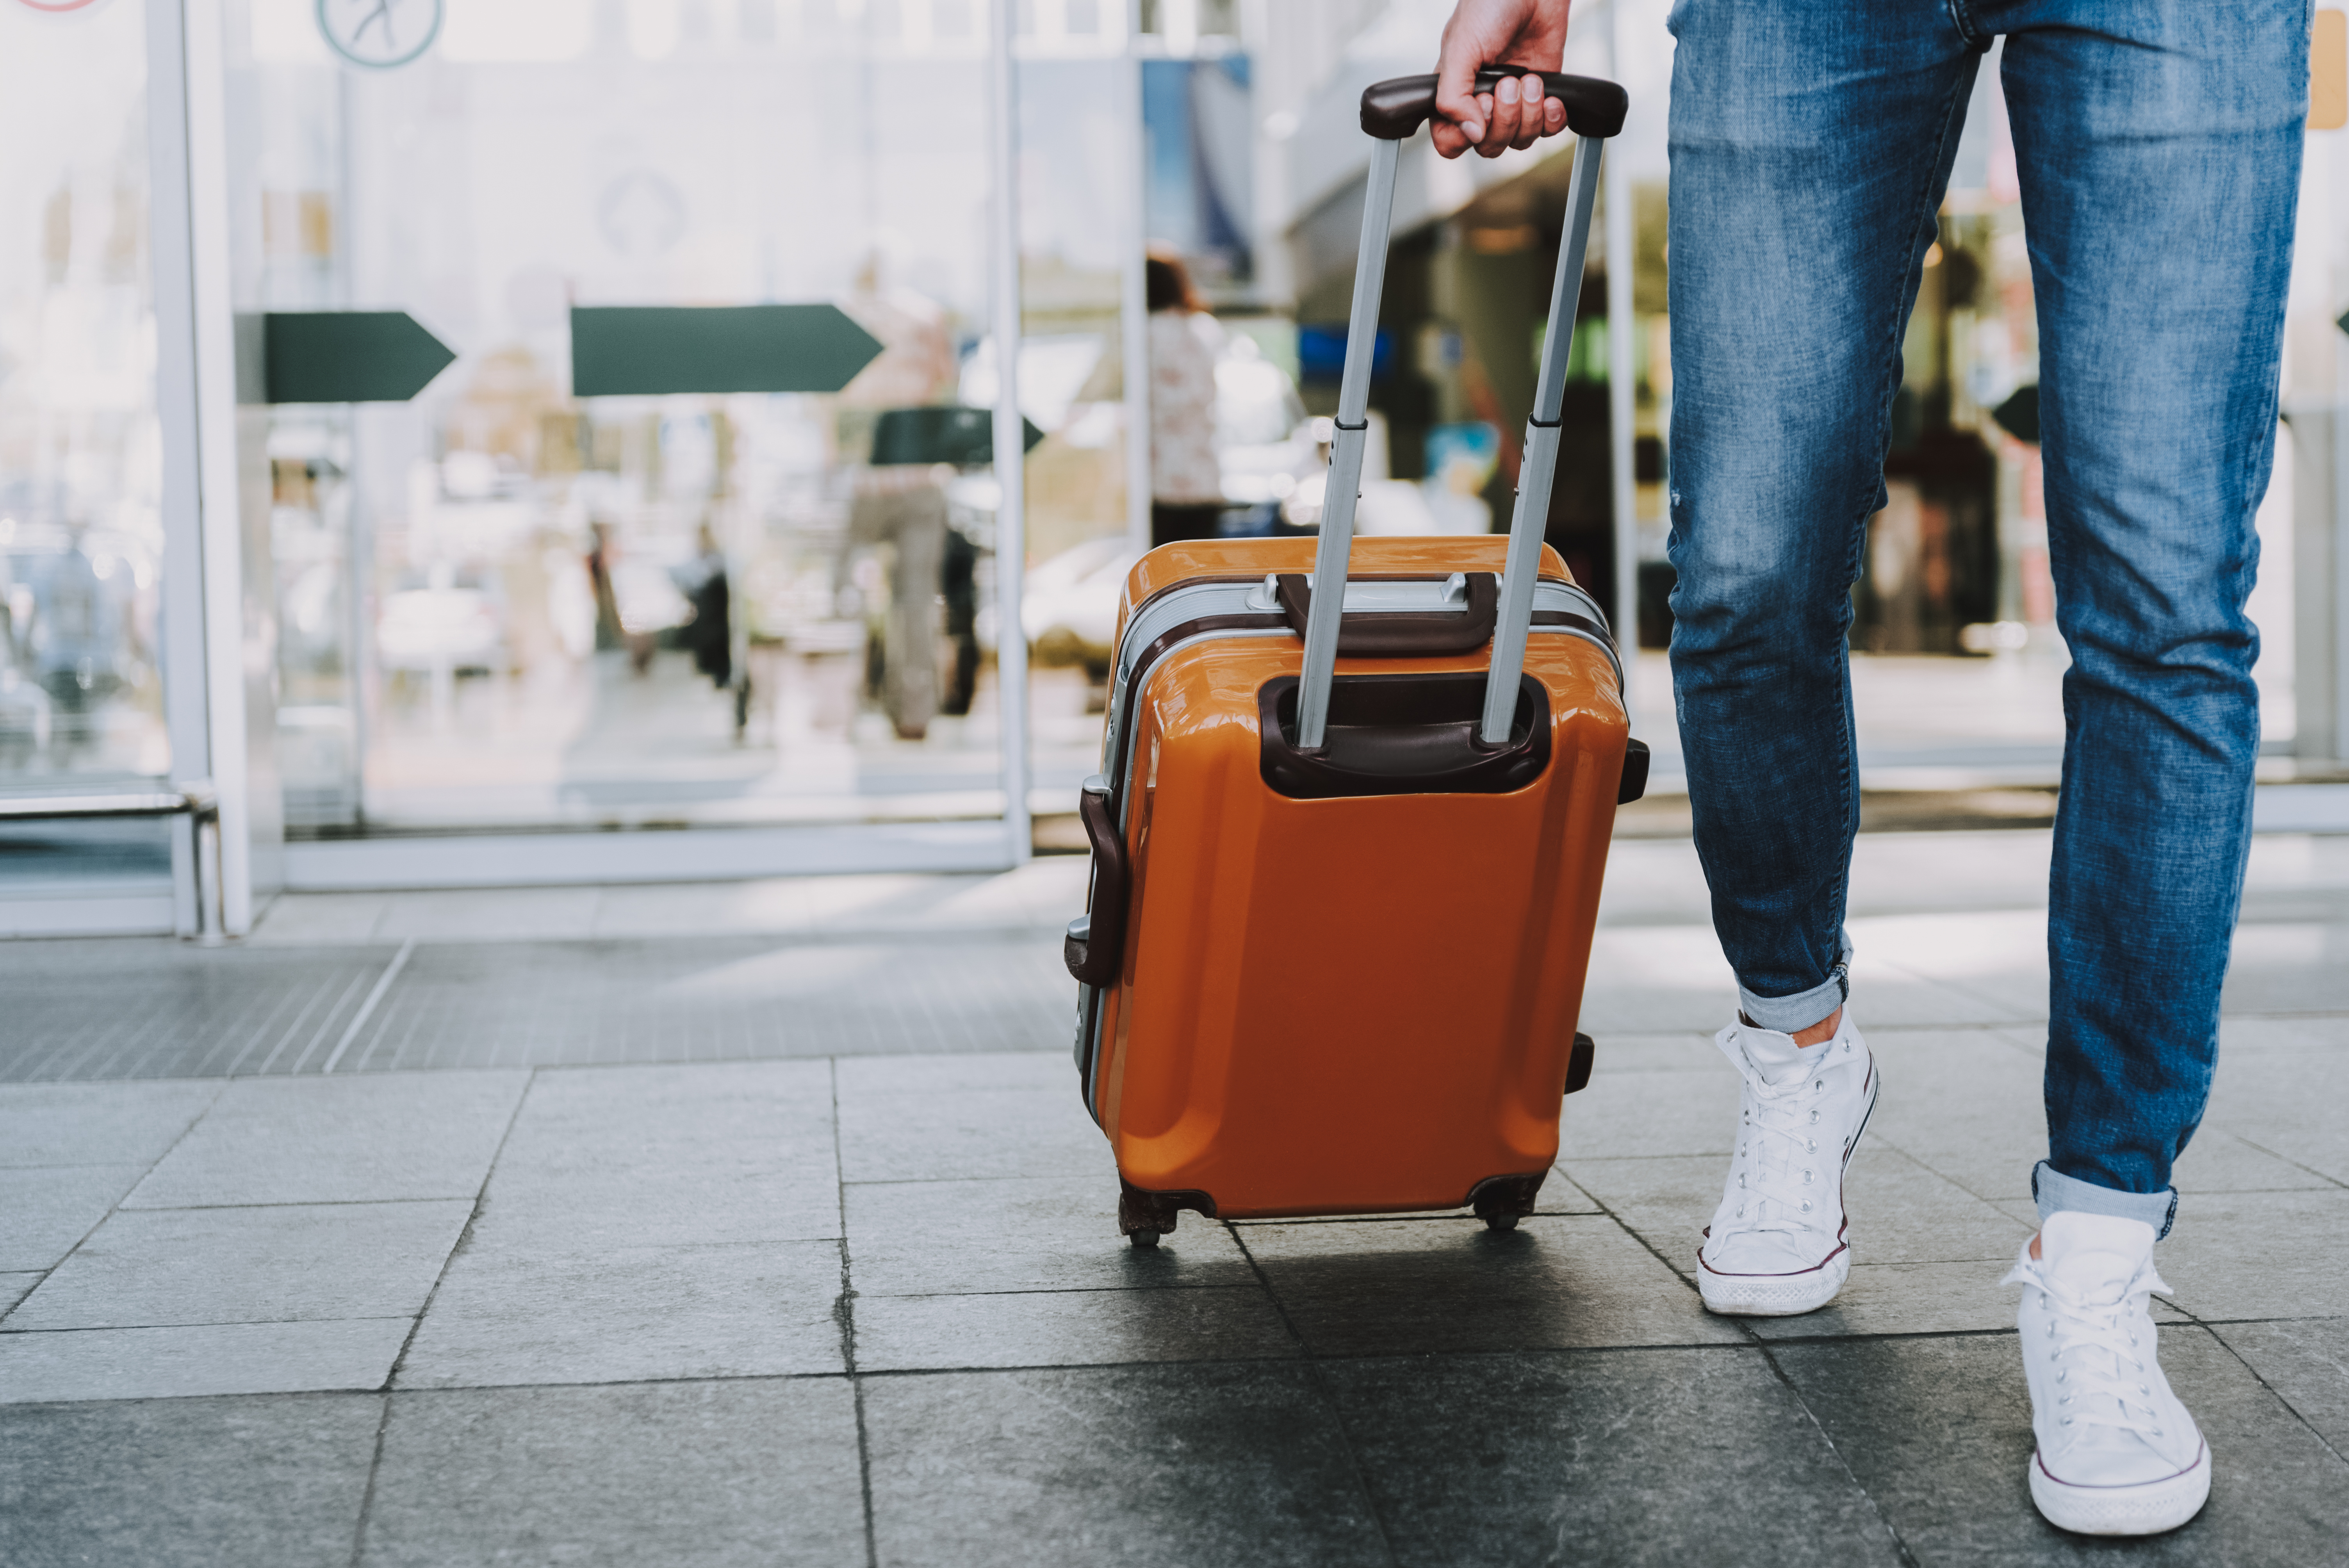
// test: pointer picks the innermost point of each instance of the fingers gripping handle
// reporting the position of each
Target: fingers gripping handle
(1394, 108)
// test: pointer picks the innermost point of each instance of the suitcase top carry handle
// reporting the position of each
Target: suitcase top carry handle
(1394, 108)
(1411, 100)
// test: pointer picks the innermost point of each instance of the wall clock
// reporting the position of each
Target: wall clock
(63, 7)
(379, 34)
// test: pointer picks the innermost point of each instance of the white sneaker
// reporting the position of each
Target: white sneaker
(1776, 1245)
(2118, 1454)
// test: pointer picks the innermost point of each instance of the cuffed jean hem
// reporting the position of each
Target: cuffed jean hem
(2057, 1192)
(1788, 1014)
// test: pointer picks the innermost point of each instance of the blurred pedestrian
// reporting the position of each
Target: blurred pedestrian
(1187, 482)
(2159, 152)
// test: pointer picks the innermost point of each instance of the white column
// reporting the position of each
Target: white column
(1134, 295)
(204, 687)
(1011, 449)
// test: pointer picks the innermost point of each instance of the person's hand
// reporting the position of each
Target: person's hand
(1529, 33)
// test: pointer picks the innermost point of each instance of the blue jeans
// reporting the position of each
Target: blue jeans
(2158, 144)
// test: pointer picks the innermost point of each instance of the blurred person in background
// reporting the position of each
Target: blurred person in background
(2159, 148)
(1187, 482)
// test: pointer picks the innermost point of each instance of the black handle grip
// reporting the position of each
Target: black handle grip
(1099, 958)
(1402, 633)
(1394, 108)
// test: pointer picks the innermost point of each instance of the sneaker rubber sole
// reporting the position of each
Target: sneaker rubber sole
(1773, 1296)
(2148, 1508)
(1788, 1295)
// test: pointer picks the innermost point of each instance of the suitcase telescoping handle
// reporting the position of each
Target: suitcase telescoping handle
(1391, 110)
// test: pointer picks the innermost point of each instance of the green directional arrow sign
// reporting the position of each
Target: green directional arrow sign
(348, 357)
(642, 350)
(962, 437)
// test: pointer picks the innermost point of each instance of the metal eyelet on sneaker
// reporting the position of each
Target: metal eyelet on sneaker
(1811, 1145)
(2067, 1420)
(1806, 1205)
(1806, 1177)
(1818, 1087)
(1815, 1116)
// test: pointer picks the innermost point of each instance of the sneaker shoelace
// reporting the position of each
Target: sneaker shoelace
(2100, 1349)
(1784, 1194)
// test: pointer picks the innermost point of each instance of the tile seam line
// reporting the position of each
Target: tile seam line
(367, 1008)
(1900, 1545)
(464, 1234)
(847, 1317)
(1323, 1393)
(28, 1334)
(2274, 1392)
(115, 1207)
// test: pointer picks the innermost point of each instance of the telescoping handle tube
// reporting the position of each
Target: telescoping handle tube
(1391, 110)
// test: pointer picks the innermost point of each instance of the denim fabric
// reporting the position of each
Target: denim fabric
(2158, 143)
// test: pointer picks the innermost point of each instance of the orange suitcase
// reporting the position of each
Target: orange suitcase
(1348, 831)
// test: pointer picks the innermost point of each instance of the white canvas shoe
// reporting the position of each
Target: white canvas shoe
(1777, 1244)
(2117, 1453)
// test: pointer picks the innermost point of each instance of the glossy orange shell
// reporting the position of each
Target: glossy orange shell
(1347, 1005)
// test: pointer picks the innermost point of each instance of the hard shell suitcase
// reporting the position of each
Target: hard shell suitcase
(1348, 831)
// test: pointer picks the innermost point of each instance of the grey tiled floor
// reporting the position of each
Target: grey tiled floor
(762, 1226)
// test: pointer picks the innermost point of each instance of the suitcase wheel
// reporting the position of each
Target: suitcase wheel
(1145, 1239)
(1500, 1221)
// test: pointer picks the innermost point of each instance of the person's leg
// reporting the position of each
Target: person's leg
(1810, 144)
(2158, 147)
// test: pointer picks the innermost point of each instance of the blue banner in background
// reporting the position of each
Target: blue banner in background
(1199, 135)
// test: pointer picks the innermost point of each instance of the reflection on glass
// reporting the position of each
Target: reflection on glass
(81, 531)
(501, 604)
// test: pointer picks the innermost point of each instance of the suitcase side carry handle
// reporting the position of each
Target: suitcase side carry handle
(1394, 108)
(1349, 441)
(1094, 949)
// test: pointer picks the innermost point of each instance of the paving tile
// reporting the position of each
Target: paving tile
(1068, 1328)
(892, 1078)
(1149, 1467)
(199, 1359)
(1623, 1457)
(582, 1115)
(319, 919)
(724, 1195)
(2220, 1161)
(379, 1138)
(1983, 966)
(491, 914)
(97, 1124)
(1939, 1431)
(150, 1268)
(14, 1288)
(2307, 1364)
(943, 1238)
(1644, 979)
(45, 1210)
(179, 1483)
(971, 1134)
(1426, 1288)
(2285, 1099)
(2258, 1254)
(1900, 1212)
(1643, 1113)
(1966, 1104)
(1690, 1050)
(749, 1472)
(629, 1314)
(2289, 967)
